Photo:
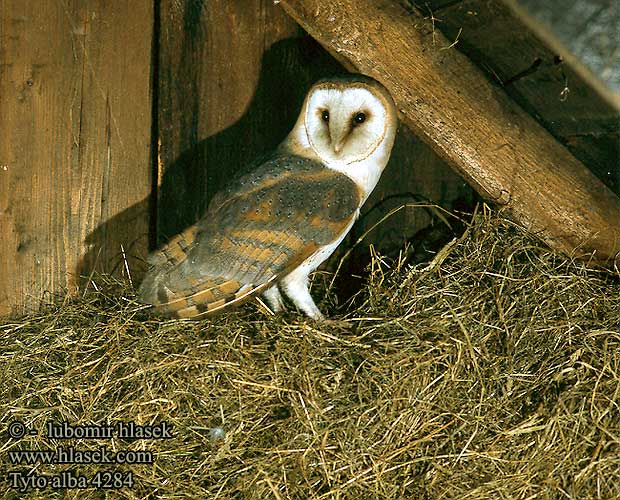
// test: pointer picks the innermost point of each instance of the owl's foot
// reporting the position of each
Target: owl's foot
(274, 299)
(295, 286)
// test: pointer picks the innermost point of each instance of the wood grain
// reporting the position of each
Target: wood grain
(501, 151)
(75, 122)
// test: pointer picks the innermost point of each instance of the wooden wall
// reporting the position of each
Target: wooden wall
(87, 87)
(75, 123)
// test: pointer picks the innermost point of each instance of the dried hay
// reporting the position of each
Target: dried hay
(494, 374)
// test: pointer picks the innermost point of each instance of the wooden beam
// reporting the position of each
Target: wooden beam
(75, 113)
(501, 151)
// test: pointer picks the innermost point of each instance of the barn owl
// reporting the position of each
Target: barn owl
(267, 231)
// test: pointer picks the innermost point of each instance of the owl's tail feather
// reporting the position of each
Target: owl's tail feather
(198, 299)
(175, 250)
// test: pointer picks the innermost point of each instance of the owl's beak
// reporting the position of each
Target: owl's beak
(339, 137)
(338, 147)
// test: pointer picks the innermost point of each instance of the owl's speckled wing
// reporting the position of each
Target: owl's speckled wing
(255, 231)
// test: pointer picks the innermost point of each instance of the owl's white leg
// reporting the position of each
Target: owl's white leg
(295, 286)
(274, 299)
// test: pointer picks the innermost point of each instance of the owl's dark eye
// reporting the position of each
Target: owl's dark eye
(325, 115)
(359, 118)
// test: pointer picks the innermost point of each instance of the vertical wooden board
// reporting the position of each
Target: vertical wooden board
(75, 118)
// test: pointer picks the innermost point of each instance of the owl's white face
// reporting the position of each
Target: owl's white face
(348, 124)
(344, 125)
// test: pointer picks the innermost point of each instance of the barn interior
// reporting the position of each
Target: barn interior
(480, 286)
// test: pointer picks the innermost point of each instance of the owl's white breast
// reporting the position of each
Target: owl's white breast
(366, 173)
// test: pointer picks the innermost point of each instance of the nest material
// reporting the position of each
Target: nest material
(494, 373)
